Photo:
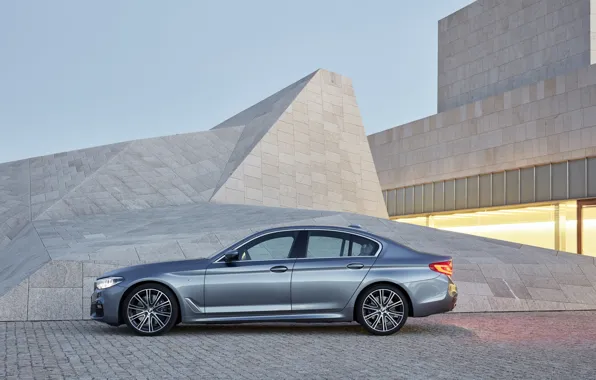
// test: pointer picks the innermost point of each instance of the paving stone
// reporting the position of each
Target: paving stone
(160, 252)
(115, 254)
(96, 270)
(507, 304)
(572, 279)
(468, 276)
(538, 270)
(58, 274)
(537, 305)
(55, 304)
(472, 303)
(497, 346)
(472, 288)
(580, 294)
(553, 295)
(13, 304)
(540, 282)
(508, 288)
(88, 283)
(504, 271)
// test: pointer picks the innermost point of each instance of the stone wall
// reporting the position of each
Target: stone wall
(550, 121)
(316, 156)
(493, 46)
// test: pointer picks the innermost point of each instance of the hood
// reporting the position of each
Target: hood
(152, 269)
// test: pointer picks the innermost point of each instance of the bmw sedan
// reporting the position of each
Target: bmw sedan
(286, 274)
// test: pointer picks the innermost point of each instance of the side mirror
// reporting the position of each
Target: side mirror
(230, 256)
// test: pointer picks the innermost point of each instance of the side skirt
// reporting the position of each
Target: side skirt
(297, 318)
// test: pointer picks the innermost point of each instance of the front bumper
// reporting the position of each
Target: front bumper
(105, 305)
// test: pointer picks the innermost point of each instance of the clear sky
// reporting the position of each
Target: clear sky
(76, 74)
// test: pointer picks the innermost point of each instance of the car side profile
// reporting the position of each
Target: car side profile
(286, 274)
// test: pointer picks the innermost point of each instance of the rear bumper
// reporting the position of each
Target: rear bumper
(441, 302)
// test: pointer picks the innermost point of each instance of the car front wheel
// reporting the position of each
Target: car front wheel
(150, 309)
(382, 310)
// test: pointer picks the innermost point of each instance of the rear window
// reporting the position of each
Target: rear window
(363, 247)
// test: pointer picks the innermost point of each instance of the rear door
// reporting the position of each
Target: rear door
(333, 266)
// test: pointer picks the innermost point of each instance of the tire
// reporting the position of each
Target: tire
(148, 320)
(382, 320)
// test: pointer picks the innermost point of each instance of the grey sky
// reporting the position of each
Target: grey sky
(75, 74)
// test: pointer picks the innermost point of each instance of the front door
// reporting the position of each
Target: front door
(334, 265)
(586, 217)
(258, 282)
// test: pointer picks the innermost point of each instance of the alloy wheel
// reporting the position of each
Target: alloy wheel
(149, 310)
(383, 310)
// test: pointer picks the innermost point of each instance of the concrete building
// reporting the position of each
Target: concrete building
(301, 156)
(511, 154)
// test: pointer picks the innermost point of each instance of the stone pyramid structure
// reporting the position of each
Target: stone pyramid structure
(298, 157)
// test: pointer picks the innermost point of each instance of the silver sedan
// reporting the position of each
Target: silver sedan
(288, 274)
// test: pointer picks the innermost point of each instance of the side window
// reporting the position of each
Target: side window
(323, 244)
(269, 247)
(363, 247)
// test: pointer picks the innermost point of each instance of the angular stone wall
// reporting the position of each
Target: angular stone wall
(491, 275)
(315, 156)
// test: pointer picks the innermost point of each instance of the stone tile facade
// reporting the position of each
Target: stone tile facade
(550, 121)
(315, 156)
(494, 46)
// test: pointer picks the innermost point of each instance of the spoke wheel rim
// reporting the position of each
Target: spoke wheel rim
(383, 310)
(149, 310)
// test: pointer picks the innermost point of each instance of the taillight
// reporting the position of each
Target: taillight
(445, 267)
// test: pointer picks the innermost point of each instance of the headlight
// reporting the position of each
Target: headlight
(108, 282)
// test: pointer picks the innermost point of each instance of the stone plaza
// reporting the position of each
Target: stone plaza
(464, 346)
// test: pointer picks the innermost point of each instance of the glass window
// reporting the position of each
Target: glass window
(542, 183)
(528, 225)
(485, 196)
(363, 247)
(589, 230)
(568, 227)
(577, 179)
(418, 199)
(400, 207)
(428, 197)
(439, 195)
(559, 180)
(327, 244)
(391, 202)
(269, 247)
(473, 200)
(460, 193)
(498, 189)
(450, 195)
(527, 185)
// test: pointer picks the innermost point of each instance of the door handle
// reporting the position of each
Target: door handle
(279, 269)
(355, 266)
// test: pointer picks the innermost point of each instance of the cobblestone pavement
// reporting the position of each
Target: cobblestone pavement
(454, 346)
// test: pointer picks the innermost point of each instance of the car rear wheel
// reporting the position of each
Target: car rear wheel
(150, 309)
(382, 309)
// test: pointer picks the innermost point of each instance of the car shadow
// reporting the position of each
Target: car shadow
(418, 329)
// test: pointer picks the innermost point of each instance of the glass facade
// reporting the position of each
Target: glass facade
(551, 226)
(574, 179)
(587, 225)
